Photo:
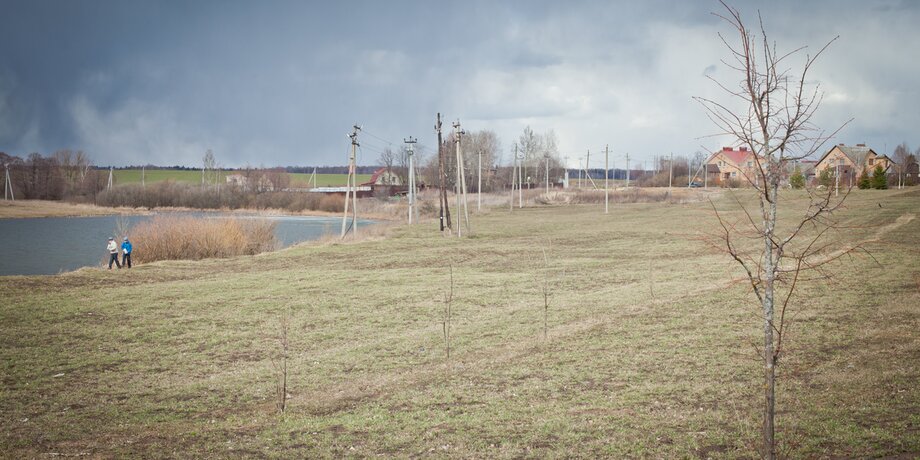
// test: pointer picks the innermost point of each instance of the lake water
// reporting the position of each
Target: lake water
(50, 245)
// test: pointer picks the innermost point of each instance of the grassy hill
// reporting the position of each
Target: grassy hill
(649, 348)
(127, 176)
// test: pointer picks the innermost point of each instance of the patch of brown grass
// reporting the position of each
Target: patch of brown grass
(185, 237)
(42, 208)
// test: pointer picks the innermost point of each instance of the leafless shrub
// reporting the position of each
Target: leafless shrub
(547, 287)
(280, 363)
(448, 300)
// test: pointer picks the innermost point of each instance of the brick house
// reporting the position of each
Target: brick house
(850, 162)
(731, 164)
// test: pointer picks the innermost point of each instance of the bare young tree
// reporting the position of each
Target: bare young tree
(208, 168)
(448, 300)
(902, 161)
(770, 112)
(280, 362)
(387, 159)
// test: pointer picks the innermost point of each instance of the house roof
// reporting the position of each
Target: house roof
(806, 167)
(375, 176)
(857, 154)
(737, 156)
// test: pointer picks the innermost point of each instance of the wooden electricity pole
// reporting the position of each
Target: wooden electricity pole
(587, 173)
(8, 186)
(479, 186)
(606, 179)
(413, 209)
(670, 171)
(351, 186)
(520, 177)
(444, 211)
(513, 180)
(461, 178)
(627, 170)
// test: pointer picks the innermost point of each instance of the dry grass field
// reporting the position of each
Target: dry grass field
(649, 348)
(42, 208)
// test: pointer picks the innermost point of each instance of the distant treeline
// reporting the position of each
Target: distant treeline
(226, 196)
(330, 169)
(63, 175)
(288, 169)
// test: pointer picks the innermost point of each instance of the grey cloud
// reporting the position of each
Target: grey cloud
(282, 82)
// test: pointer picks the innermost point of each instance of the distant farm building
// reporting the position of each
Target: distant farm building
(730, 164)
(850, 162)
(383, 176)
(382, 183)
(236, 179)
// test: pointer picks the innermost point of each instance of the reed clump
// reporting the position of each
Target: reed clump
(194, 238)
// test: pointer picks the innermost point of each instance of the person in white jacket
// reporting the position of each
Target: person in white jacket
(113, 253)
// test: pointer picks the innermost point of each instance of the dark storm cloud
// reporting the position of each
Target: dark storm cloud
(281, 82)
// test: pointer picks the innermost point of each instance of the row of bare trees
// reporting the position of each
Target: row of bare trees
(534, 151)
(64, 174)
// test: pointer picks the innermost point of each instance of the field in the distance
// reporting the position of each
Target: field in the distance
(650, 348)
(128, 176)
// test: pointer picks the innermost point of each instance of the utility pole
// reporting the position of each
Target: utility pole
(627, 169)
(143, 176)
(413, 209)
(565, 165)
(8, 185)
(606, 179)
(444, 212)
(479, 186)
(837, 180)
(461, 178)
(520, 177)
(513, 174)
(588, 166)
(111, 173)
(670, 170)
(351, 186)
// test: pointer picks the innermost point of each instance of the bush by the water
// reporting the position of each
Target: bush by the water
(186, 237)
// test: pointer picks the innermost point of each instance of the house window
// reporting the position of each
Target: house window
(734, 173)
(840, 161)
(871, 161)
(720, 162)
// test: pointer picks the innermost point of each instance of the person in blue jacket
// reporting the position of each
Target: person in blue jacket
(126, 253)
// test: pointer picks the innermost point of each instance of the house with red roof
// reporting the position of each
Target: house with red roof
(383, 176)
(731, 164)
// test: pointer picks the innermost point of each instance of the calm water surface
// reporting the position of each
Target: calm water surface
(49, 245)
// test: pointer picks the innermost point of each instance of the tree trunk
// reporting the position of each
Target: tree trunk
(770, 262)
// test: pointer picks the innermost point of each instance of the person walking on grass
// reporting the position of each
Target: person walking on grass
(126, 253)
(113, 253)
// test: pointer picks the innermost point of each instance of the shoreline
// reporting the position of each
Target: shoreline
(37, 209)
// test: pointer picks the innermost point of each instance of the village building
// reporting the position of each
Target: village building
(850, 162)
(730, 164)
(236, 179)
(383, 176)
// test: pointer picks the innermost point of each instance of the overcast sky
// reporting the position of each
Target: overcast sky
(280, 83)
